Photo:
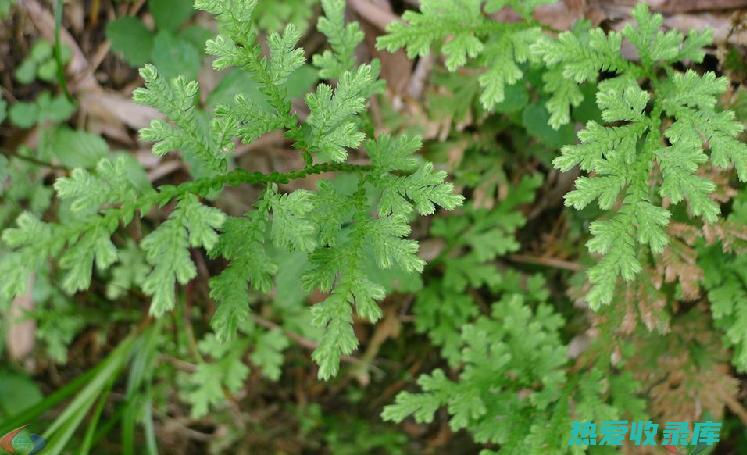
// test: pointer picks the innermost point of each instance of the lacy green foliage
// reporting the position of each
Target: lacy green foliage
(725, 279)
(130, 272)
(514, 384)
(339, 231)
(205, 388)
(473, 239)
(466, 35)
(57, 318)
(659, 132)
(512, 388)
(273, 16)
(228, 370)
(185, 132)
(514, 339)
(508, 380)
(343, 39)
(26, 196)
(301, 221)
(342, 256)
(85, 233)
(242, 243)
(191, 224)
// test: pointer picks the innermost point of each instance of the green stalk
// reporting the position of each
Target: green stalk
(64, 426)
(92, 390)
(150, 432)
(66, 429)
(58, 396)
(85, 447)
(58, 49)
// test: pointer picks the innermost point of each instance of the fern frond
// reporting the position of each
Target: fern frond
(176, 99)
(332, 122)
(680, 108)
(490, 347)
(466, 35)
(191, 224)
(343, 39)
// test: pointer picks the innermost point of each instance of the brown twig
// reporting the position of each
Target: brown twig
(736, 408)
(301, 340)
(549, 262)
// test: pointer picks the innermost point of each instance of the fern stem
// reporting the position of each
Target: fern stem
(240, 176)
(199, 187)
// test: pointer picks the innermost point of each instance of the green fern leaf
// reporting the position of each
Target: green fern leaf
(343, 39)
(332, 120)
(177, 100)
(167, 249)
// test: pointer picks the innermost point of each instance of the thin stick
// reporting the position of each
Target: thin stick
(549, 262)
(736, 407)
(302, 340)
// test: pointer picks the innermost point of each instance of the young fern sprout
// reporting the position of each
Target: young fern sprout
(336, 229)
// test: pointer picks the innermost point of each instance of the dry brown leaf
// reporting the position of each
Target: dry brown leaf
(677, 264)
(650, 304)
(682, 387)
(396, 68)
(731, 235)
(21, 331)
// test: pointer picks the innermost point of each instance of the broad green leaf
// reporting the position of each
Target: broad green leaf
(175, 57)
(170, 14)
(536, 120)
(130, 37)
(23, 114)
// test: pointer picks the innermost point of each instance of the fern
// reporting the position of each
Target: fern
(205, 388)
(491, 346)
(335, 237)
(464, 34)
(473, 241)
(343, 39)
(726, 284)
(191, 224)
(512, 387)
(659, 131)
(234, 265)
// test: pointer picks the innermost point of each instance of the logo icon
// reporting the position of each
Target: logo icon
(22, 442)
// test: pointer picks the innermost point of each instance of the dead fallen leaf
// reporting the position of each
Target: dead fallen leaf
(21, 331)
